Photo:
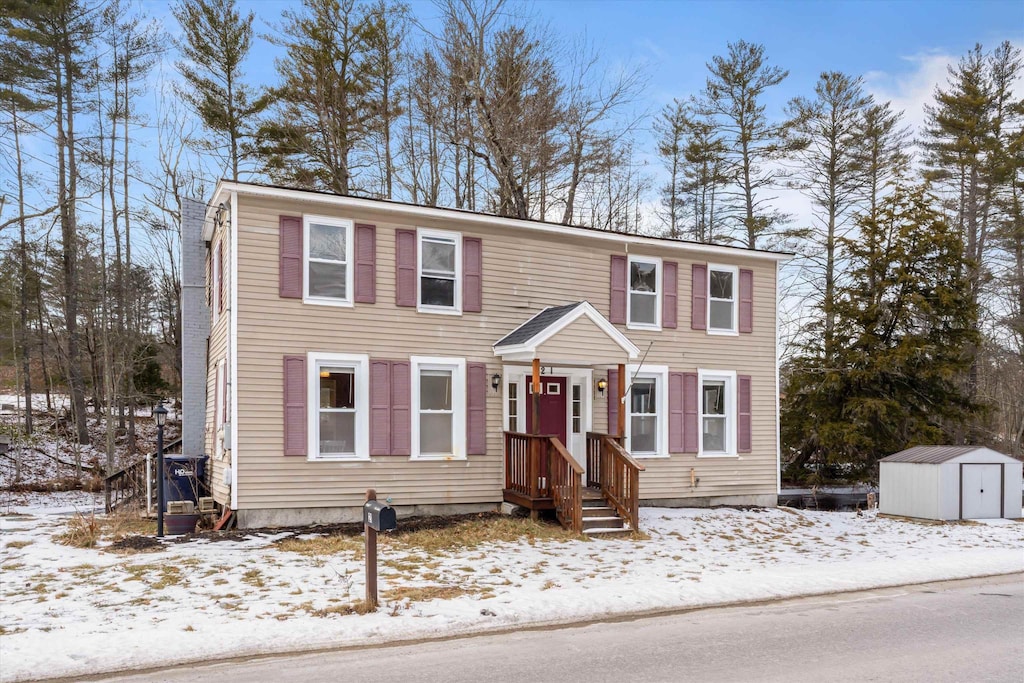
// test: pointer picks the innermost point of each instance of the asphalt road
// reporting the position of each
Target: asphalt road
(955, 631)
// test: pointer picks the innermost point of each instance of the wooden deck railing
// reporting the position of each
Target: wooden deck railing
(538, 467)
(128, 485)
(566, 477)
(612, 468)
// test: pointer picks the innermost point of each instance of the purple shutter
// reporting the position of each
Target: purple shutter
(743, 431)
(691, 414)
(699, 298)
(295, 405)
(617, 278)
(405, 267)
(675, 413)
(476, 408)
(472, 274)
(613, 402)
(366, 264)
(401, 418)
(670, 299)
(380, 407)
(290, 258)
(746, 300)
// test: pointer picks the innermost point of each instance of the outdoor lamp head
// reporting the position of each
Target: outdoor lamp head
(160, 413)
(495, 381)
(602, 384)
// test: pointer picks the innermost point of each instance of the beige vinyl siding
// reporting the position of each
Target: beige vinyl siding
(582, 340)
(218, 351)
(522, 273)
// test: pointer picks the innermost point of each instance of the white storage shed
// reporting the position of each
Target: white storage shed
(950, 482)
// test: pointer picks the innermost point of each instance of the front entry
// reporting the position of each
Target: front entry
(553, 407)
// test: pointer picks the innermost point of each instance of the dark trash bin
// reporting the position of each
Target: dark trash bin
(185, 477)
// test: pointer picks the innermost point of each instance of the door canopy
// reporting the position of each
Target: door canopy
(573, 334)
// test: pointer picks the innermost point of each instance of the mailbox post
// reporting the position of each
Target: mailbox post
(376, 517)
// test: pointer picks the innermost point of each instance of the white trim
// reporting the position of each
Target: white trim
(360, 362)
(657, 293)
(778, 427)
(527, 350)
(458, 368)
(731, 416)
(232, 388)
(448, 215)
(456, 308)
(307, 298)
(735, 330)
(660, 374)
(216, 274)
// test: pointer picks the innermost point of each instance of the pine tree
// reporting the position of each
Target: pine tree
(216, 41)
(903, 322)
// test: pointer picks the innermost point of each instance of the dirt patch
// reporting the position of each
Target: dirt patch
(136, 544)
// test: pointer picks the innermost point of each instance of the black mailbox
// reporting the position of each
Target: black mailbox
(379, 516)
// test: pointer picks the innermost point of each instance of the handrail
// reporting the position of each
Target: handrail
(610, 466)
(128, 484)
(566, 477)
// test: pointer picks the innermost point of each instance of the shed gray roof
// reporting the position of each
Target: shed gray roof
(537, 324)
(930, 454)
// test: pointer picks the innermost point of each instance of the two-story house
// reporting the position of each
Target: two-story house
(454, 360)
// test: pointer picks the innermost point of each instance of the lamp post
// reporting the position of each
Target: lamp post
(160, 415)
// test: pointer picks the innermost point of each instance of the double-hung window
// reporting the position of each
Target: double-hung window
(722, 286)
(439, 408)
(339, 397)
(717, 412)
(644, 292)
(328, 252)
(647, 426)
(440, 271)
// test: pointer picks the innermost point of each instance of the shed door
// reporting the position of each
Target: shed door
(981, 490)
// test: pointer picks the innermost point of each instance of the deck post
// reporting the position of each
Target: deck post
(622, 404)
(534, 443)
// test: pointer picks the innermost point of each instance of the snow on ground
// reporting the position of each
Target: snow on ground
(62, 608)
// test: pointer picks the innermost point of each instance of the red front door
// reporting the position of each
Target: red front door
(553, 405)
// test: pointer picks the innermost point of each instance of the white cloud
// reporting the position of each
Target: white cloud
(909, 91)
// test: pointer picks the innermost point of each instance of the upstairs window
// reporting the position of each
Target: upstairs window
(440, 271)
(328, 244)
(644, 292)
(722, 281)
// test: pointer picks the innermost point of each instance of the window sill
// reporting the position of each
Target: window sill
(316, 301)
(643, 326)
(651, 456)
(437, 310)
(338, 458)
(439, 458)
(719, 455)
(724, 333)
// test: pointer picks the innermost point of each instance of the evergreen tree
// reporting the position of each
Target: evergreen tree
(903, 322)
(216, 41)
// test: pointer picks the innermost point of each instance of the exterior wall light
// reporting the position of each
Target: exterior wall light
(602, 384)
(495, 381)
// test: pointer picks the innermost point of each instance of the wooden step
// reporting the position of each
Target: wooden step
(603, 533)
(596, 523)
(594, 503)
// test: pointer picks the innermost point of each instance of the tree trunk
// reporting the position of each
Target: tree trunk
(26, 364)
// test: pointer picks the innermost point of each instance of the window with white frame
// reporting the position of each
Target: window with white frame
(644, 292)
(717, 413)
(577, 408)
(328, 248)
(647, 402)
(439, 407)
(339, 397)
(513, 406)
(440, 271)
(722, 284)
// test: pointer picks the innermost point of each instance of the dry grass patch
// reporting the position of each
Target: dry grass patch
(323, 545)
(472, 533)
(88, 530)
(17, 544)
(436, 592)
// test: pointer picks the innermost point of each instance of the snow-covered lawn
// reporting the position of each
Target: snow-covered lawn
(71, 611)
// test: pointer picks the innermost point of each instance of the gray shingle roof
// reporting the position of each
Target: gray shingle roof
(537, 324)
(930, 454)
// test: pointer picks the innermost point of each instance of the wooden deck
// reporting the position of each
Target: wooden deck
(540, 475)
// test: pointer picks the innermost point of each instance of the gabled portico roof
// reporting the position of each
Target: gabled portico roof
(523, 342)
